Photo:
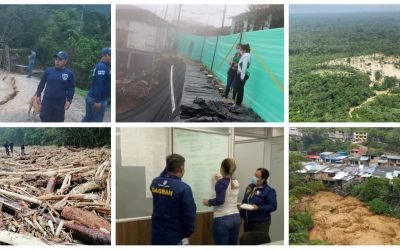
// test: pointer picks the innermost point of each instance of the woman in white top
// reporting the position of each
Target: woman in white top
(243, 73)
(227, 221)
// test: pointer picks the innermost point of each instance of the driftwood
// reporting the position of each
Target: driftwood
(1, 216)
(88, 186)
(20, 197)
(19, 239)
(70, 197)
(85, 218)
(94, 236)
(51, 185)
(56, 196)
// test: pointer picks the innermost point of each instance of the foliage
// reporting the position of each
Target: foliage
(326, 97)
(80, 30)
(378, 206)
(381, 195)
(299, 191)
(295, 159)
(375, 188)
(299, 224)
(79, 137)
(315, 186)
(318, 242)
(389, 82)
(355, 190)
(383, 108)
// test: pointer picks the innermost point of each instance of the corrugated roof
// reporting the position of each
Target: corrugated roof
(364, 158)
(393, 157)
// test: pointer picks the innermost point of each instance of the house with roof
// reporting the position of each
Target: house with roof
(360, 136)
(312, 157)
(393, 161)
(312, 169)
(365, 173)
(251, 21)
(324, 155)
(141, 35)
(358, 151)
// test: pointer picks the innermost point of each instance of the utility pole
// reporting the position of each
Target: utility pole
(179, 16)
(216, 43)
(165, 13)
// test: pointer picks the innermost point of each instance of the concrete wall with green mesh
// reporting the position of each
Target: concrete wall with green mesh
(264, 91)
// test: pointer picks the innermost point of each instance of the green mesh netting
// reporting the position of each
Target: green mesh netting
(264, 90)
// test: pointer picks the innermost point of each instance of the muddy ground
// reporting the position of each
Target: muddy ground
(347, 221)
(15, 109)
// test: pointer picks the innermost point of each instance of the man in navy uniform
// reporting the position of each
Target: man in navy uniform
(174, 210)
(100, 91)
(60, 88)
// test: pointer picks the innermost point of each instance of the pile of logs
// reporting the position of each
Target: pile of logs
(56, 196)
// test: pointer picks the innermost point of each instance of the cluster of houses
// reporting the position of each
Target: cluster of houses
(341, 168)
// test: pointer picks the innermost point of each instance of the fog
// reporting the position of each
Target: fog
(206, 14)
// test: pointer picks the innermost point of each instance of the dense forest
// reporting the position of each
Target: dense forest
(80, 30)
(323, 93)
(78, 137)
(315, 140)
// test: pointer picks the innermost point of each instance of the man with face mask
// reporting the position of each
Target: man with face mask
(262, 198)
(174, 210)
(60, 88)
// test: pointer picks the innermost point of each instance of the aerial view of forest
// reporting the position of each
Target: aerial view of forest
(344, 186)
(344, 66)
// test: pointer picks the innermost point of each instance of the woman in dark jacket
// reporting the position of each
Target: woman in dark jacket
(262, 198)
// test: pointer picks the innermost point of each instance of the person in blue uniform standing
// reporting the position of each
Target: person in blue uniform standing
(60, 88)
(263, 199)
(100, 91)
(174, 209)
(31, 62)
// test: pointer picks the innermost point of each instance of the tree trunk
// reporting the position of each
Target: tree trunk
(86, 218)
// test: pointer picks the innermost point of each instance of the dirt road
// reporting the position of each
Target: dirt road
(370, 99)
(16, 109)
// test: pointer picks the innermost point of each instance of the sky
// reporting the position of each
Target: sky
(204, 13)
(345, 8)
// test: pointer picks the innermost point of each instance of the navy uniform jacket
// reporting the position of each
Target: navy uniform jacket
(265, 199)
(60, 86)
(174, 210)
(101, 84)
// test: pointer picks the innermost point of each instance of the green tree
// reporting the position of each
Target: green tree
(375, 188)
(378, 206)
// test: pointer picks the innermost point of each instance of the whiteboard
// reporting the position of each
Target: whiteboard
(248, 156)
(140, 157)
(145, 147)
(204, 153)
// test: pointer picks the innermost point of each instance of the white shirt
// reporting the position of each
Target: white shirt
(231, 201)
(243, 64)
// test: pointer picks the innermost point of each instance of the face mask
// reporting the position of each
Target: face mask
(253, 180)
